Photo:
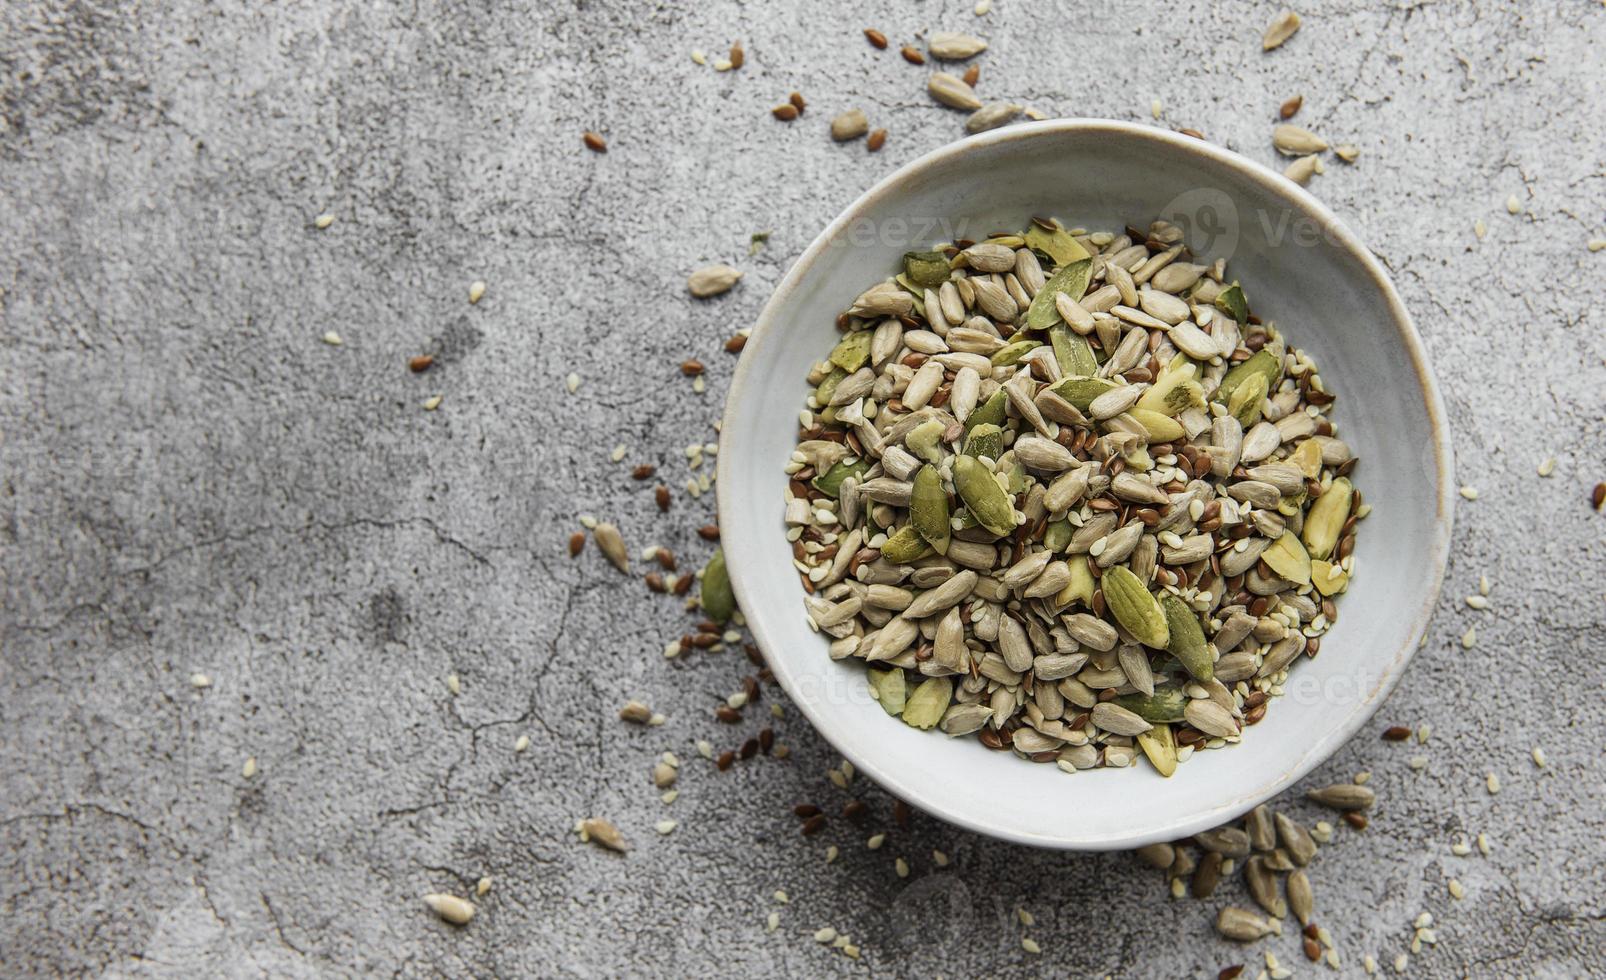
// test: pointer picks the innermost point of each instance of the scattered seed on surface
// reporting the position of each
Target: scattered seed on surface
(1469, 492)
(431, 403)
(594, 142)
(612, 544)
(876, 38)
(875, 841)
(1396, 733)
(1282, 27)
(878, 139)
(453, 684)
(476, 291)
(785, 112)
(250, 768)
(1457, 890)
(1513, 205)
(1290, 107)
(332, 339)
(1597, 497)
(521, 743)
(420, 363)
(1469, 639)
(1492, 783)
(1539, 757)
(450, 908)
(603, 832)
(572, 382)
(849, 125)
(323, 221)
(1030, 945)
(200, 681)
(912, 55)
(483, 886)
(577, 543)
(712, 280)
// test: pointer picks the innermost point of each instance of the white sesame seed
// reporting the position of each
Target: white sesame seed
(1483, 845)
(875, 841)
(901, 867)
(671, 796)
(1030, 945)
(522, 743)
(1423, 731)
(588, 522)
(1483, 585)
(705, 749)
(772, 921)
(1457, 890)
(658, 718)
(824, 935)
(432, 402)
(476, 291)
(671, 649)
(572, 382)
(1492, 781)
(1597, 244)
(1547, 466)
(1460, 848)
(780, 896)
(200, 680)
(332, 339)
(323, 221)
(1477, 602)
(1513, 206)
(939, 859)
(482, 886)
(1470, 493)
(1469, 639)
(665, 826)
(453, 684)
(1480, 229)
(699, 57)
(983, 7)
(618, 453)
(1419, 762)
(1026, 918)
(1539, 757)
(831, 853)
(250, 768)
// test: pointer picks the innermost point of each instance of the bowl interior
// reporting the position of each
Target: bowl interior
(1299, 268)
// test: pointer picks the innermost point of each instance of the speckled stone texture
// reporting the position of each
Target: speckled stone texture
(193, 481)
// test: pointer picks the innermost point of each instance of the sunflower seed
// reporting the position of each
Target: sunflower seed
(1279, 30)
(450, 908)
(991, 116)
(952, 92)
(712, 280)
(946, 46)
(849, 125)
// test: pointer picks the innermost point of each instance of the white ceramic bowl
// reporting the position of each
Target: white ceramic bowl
(1301, 268)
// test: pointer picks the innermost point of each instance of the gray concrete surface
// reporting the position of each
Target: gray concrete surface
(192, 481)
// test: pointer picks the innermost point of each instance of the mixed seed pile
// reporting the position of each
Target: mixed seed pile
(1063, 491)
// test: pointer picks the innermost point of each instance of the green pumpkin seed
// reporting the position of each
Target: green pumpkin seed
(1231, 301)
(983, 496)
(985, 440)
(1057, 536)
(1081, 391)
(1248, 400)
(915, 291)
(1135, 607)
(1263, 362)
(1081, 586)
(1175, 390)
(827, 387)
(830, 482)
(1288, 558)
(925, 440)
(1071, 280)
(1165, 705)
(891, 689)
(1073, 352)
(928, 509)
(719, 602)
(925, 706)
(990, 412)
(1160, 426)
(853, 351)
(1055, 243)
(1187, 638)
(1160, 745)
(926, 269)
(1326, 518)
(1013, 352)
(904, 546)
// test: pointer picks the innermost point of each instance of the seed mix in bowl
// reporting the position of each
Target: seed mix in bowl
(1063, 491)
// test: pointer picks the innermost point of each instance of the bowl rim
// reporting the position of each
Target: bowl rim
(1296, 198)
